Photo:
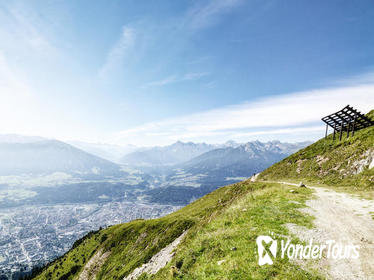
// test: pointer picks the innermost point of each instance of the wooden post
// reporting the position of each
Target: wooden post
(341, 131)
(348, 127)
(333, 138)
(354, 124)
(327, 127)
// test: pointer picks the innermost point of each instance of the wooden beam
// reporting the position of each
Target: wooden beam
(348, 127)
(353, 126)
(333, 137)
(341, 131)
(327, 127)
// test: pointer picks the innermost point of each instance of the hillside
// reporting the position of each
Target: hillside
(230, 217)
(223, 226)
(346, 164)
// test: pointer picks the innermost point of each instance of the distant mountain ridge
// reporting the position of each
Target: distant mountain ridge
(229, 164)
(242, 160)
(49, 156)
(168, 155)
(109, 152)
(181, 152)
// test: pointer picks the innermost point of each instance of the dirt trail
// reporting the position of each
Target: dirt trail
(346, 219)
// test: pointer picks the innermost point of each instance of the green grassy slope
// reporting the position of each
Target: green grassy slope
(334, 163)
(229, 217)
(225, 247)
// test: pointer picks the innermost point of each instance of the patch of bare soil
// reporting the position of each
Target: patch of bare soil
(93, 266)
(158, 261)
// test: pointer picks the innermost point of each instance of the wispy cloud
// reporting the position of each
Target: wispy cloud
(208, 14)
(194, 76)
(118, 52)
(295, 112)
(162, 82)
(198, 17)
(25, 31)
(367, 78)
(176, 79)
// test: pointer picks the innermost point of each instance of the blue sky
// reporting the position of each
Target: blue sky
(153, 72)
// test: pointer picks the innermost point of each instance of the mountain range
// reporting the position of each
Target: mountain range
(106, 151)
(175, 174)
(35, 156)
(241, 160)
(227, 164)
(20, 155)
(168, 155)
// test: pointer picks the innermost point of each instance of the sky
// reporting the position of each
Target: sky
(154, 72)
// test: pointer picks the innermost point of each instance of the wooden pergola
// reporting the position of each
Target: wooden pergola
(347, 119)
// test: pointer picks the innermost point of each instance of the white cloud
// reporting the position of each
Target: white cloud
(194, 76)
(367, 78)
(176, 79)
(166, 81)
(207, 15)
(284, 114)
(279, 131)
(118, 52)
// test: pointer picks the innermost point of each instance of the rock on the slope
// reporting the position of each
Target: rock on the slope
(158, 261)
(366, 160)
(93, 266)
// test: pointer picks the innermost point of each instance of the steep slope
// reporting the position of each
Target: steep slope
(348, 163)
(49, 156)
(220, 242)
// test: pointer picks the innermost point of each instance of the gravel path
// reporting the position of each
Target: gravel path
(346, 219)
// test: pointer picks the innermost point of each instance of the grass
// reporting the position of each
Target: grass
(264, 210)
(71, 262)
(329, 163)
(229, 217)
(134, 243)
